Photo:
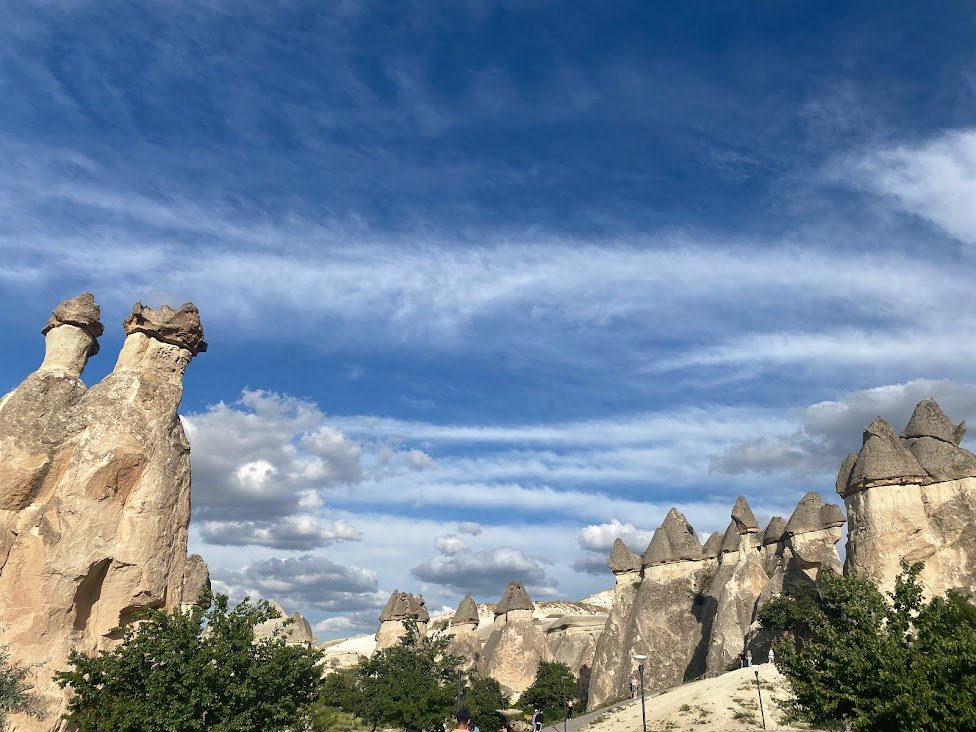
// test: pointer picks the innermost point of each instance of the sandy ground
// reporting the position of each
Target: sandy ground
(726, 702)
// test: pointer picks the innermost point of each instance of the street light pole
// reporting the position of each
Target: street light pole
(565, 707)
(759, 691)
(458, 707)
(640, 672)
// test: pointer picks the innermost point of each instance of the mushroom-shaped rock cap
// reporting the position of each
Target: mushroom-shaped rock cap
(674, 541)
(730, 539)
(515, 598)
(742, 516)
(812, 514)
(387, 612)
(928, 420)
(884, 459)
(844, 474)
(467, 612)
(177, 327)
(774, 530)
(622, 559)
(713, 545)
(418, 609)
(82, 312)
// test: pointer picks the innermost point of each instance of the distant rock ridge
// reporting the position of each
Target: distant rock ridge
(94, 495)
(912, 497)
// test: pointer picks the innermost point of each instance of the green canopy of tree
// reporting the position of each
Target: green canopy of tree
(411, 685)
(483, 697)
(16, 692)
(857, 659)
(552, 680)
(189, 672)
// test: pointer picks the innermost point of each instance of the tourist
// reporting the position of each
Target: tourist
(539, 719)
(772, 656)
(463, 718)
(749, 658)
(633, 686)
(742, 659)
(569, 709)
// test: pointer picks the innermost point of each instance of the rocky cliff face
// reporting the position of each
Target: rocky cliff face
(912, 496)
(95, 490)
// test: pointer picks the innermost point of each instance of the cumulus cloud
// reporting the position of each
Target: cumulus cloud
(301, 532)
(597, 540)
(469, 527)
(486, 573)
(825, 432)
(309, 582)
(450, 544)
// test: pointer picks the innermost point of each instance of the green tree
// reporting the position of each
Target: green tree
(552, 679)
(189, 672)
(410, 685)
(16, 693)
(858, 659)
(483, 697)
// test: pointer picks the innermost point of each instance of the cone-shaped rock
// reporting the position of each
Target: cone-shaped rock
(387, 612)
(831, 516)
(514, 598)
(774, 530)
(844, 474)
(623, 559)
(884, 460)
(807, 515)
(928, 420)
(467, 612)
(418, 609)
(730, 539)
(674, 541)
(713, 545)
(745, 520)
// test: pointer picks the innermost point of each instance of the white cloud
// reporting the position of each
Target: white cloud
(934, 179)
(600, 537)
(469, 527)
(483, 573)
(450, 544)
(300, 532)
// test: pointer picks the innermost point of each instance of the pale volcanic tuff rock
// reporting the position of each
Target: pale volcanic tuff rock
(465, 641)
(772, 543)
(95, 494)
(919, 514)
(294, 629)
(517, 643)
(399, 609)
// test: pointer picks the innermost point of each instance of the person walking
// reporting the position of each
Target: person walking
(569, 709)
(633, 686)
(772, 656)
(749, 659)
(742, 659)
(540, 719)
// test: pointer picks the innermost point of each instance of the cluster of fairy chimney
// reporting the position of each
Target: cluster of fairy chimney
(693, 607)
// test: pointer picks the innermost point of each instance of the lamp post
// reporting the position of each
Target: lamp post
(759, 691)
(565, 707)
(640, 672)
(458, 707)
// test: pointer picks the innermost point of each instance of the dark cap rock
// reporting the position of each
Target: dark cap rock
(467, 611)
(623, 559)
(844, 474)
(177, 327)
(82, 312)
(812, 514)
(928, 420)
(730, 539)
(713, 545)
(774, 530)
(418, 609)
(942, 460)
(674, 541)
(884, 460)
(742, 516)
(387, 612)
(514, 598)
(831, 516)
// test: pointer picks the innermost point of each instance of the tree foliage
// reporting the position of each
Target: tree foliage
(16, 693)
(483, 697)
(858, 659)
(411, 685)
(552, 680)
(189, 672)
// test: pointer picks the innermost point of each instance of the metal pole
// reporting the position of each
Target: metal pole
(565, 708)
(640, 671)
(759, 691)
(458, 707)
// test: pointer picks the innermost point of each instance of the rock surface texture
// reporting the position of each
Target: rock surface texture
(398, 611)
(912, 497)
(517, 643)
(94, 491)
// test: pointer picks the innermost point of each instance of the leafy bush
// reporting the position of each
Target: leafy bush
(860, 660)
(16, 693)
(483, 697)
(552, 680)
(193, 672)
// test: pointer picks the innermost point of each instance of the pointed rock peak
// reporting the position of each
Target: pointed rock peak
(387, 612)
(467, 611)
(742, 516)
(774, 530)
(730, 539)
(844, 474)
(674, 541)
(884, 460)
(82, 312)
(515, 598)
(177, 327)
(623, 559)
(806, 516)
(832, 516)
(713, 545)
(928, 420)
(418, 609)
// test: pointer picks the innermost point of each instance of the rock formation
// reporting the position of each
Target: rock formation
(399, 609)
(914, 497)
(94, 490)
(516, 644)
(294, 628)
(464, 639)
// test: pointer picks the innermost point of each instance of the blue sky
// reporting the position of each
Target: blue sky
(489, 283)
